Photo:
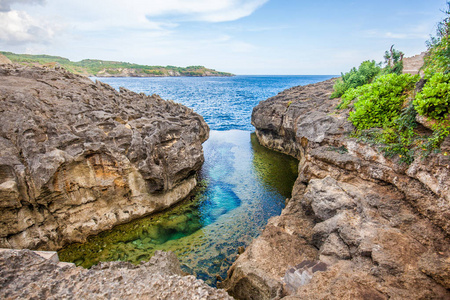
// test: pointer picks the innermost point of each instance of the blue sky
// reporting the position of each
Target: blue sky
(239, 36)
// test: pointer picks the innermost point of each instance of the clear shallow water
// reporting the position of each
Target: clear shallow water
(224, 102)
(242, 183)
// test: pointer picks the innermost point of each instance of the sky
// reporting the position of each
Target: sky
(246, 37)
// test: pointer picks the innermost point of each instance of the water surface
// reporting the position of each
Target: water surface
(224, 102)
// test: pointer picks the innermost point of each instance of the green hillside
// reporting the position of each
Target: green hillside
(103, 68)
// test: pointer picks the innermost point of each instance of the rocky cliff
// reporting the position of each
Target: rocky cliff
(359, 225)
(78, 157)
(26, 275)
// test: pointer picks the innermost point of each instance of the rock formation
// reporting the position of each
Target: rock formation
(376, 228)
(26, 275)
(78, 157)
(4, 60)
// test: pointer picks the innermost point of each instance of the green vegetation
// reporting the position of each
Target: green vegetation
(394, 62)
(433, 101)
(356, 77)
(94, 67)
(368, 71)
(380, 103)
(384, 104)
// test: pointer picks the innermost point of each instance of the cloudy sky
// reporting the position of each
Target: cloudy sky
(238, 36)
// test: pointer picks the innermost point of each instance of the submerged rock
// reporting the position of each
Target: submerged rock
(78, 157)
(26, 275)
(381, 228)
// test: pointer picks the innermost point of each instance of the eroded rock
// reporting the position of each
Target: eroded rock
(26, 275)
(78, 157)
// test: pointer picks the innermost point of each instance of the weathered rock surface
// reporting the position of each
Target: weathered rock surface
(381, 228)
(26, 275)
(78, 157)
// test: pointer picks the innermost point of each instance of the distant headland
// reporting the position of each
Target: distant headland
(103, 68)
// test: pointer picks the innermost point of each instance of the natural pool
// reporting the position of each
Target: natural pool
(242, 185)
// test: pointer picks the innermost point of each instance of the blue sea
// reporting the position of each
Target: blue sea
(224, 102)
(242, 184)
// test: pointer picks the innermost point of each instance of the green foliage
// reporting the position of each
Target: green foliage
(384, 111)
(400, 139)
(365, 74)
(438, 56)
(380, 103)
(434, 99)
(433, 102)
(352, 94)
(394, 62)
(356, 77)
(384, 115)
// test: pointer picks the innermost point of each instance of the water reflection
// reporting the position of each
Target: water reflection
(242, 185)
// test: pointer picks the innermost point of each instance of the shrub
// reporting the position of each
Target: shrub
(356, 77)
(434, 99)
(379, 104)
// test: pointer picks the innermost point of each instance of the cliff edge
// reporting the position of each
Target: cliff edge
(78, 157)
(358, 225)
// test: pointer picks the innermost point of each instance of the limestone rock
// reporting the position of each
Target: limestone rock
(381, 228)
(26, 275)
(78, 157)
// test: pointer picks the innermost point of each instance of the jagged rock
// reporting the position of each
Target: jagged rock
(78, 157)
(381, 227)
(26, 275)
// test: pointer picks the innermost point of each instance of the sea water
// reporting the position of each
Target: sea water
(242, 184)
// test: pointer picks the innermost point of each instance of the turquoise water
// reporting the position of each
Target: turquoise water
(242, 185)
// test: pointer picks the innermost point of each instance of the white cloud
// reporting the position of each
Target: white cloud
(151, 14)
(199, 10)
(17, 27)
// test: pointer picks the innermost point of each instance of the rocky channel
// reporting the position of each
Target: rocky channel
(359, 225)
(78, 157)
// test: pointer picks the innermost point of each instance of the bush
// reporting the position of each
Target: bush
(379, 104)
(434, 99)
(356, 77)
